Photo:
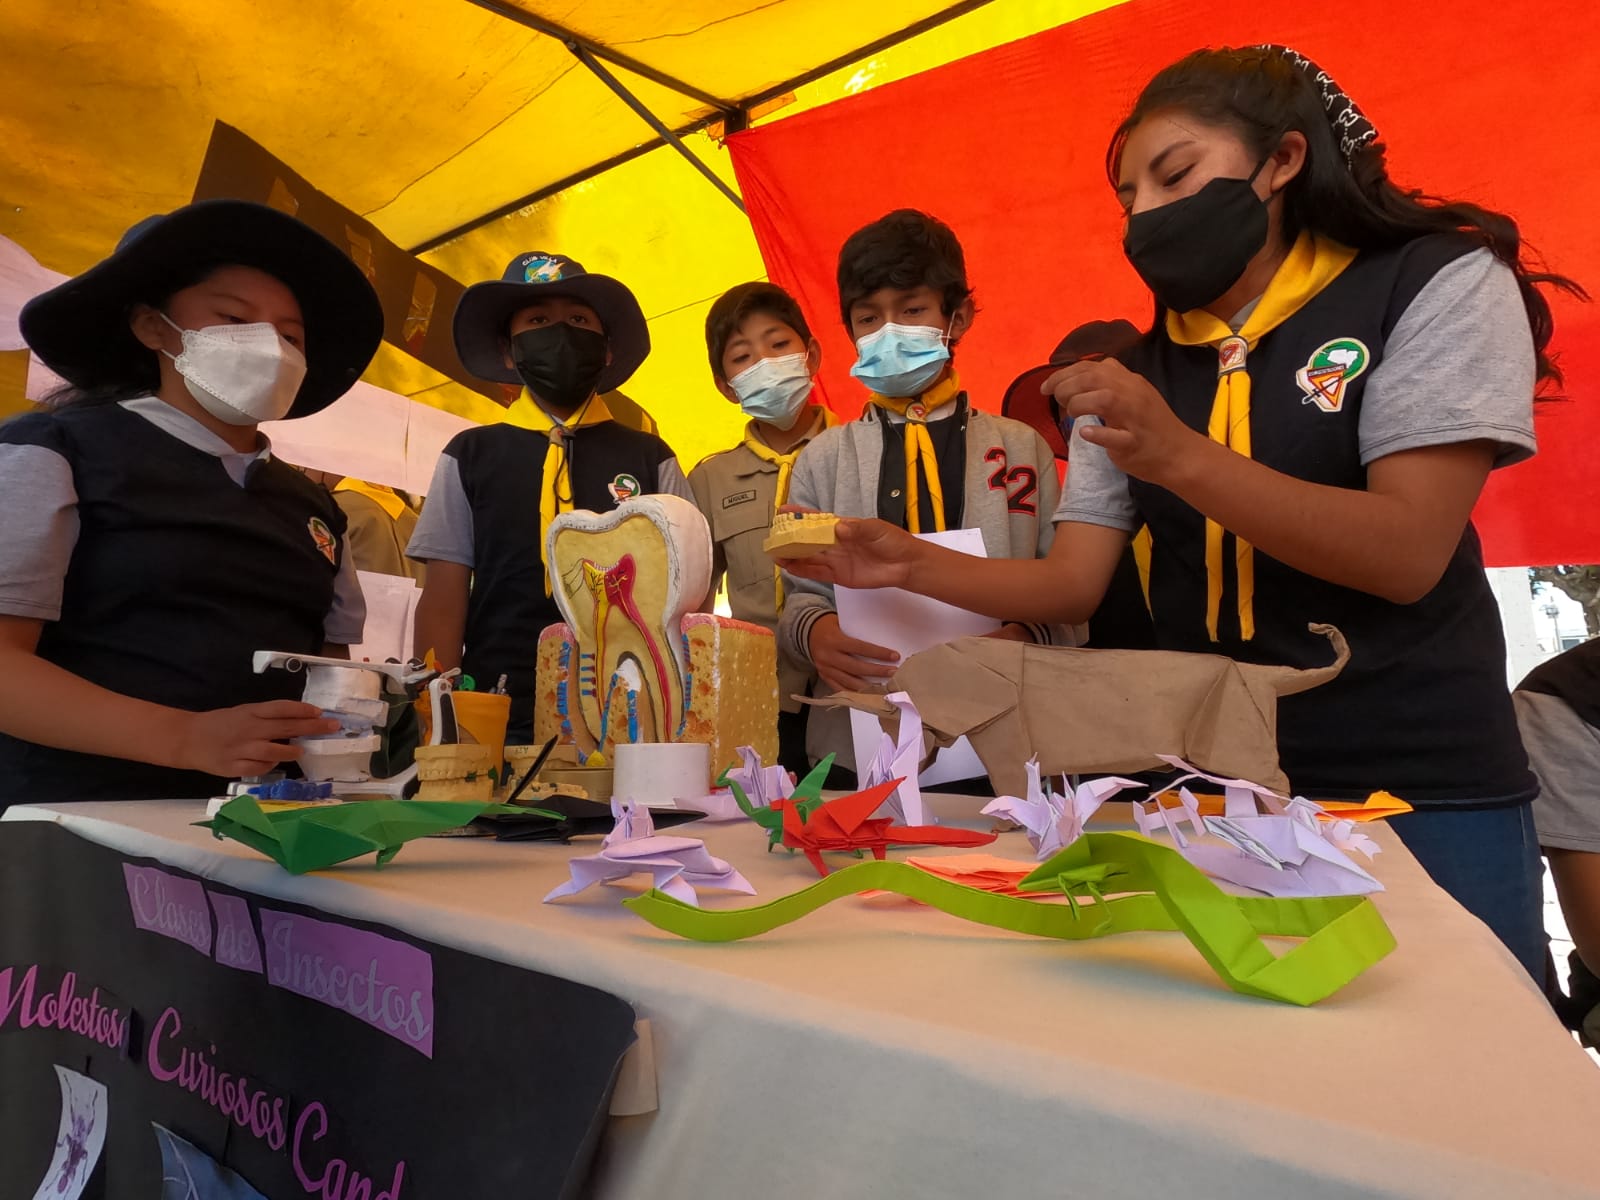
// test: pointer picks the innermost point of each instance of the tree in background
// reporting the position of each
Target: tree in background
(1579, 583)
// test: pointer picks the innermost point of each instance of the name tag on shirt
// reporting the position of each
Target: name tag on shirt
(738, 498)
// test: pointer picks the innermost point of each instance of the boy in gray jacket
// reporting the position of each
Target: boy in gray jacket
(919, 456)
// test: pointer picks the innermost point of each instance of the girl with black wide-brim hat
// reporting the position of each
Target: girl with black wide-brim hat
(153, 542)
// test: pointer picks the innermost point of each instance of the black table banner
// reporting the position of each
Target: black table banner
(165, 1037)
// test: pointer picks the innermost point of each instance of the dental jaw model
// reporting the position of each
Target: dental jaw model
(800, 535)
(352, 694)
(634, 662)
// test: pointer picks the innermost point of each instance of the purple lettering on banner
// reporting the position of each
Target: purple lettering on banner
(384, 982)
(236, 933)
(169, 905)
(92, 1015)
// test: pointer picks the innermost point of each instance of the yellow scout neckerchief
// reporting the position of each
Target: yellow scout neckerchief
(385, 498)
(526, 414)
(1312, 264)
(919, 446)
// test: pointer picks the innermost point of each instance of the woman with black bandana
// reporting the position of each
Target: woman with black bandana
(568, 337)
(1336, 366)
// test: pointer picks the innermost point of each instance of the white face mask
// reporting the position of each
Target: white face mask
(774, 390)
(241, 374)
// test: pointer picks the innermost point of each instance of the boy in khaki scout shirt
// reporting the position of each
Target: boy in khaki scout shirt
(763, 358)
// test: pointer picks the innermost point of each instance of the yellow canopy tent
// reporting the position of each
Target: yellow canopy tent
(466, 130)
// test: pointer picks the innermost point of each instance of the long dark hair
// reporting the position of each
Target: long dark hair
(1261, 95)
(140, 375)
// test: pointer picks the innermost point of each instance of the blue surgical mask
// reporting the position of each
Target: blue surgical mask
(901, 360)
(774, 390)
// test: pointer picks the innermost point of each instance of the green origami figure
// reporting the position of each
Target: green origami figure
(319, 836)
(806, 797)
(1134, 883)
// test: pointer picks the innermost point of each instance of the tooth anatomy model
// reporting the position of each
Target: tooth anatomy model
(634, 662)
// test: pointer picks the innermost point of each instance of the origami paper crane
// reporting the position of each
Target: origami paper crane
(744, 789)
(1285, 851)
(310, 839)
(768, 814)
(1054, 821)
(900, 757)
(761, 785)
(676, 865)
(848, 824)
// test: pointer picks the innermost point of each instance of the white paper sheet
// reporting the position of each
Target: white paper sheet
(21, 279)
(391, 617)
(371, 434)
(427, 432)
(906, 622)
(81, 1137)
(362, 434)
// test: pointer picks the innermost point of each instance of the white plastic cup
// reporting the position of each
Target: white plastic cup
(659, 774)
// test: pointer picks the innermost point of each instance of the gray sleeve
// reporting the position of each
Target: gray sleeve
(806, 601)
(444, 527)
(1459, 367)
(347, 619)
(40, 503)
(671, 480)
(1096, 492)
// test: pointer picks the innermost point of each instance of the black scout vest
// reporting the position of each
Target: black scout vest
(1422, 708)
(502, 474)
(177, 577)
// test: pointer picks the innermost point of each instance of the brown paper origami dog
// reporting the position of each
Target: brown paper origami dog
(1098, 712)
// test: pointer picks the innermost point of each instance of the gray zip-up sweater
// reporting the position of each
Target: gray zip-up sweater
(839, 473)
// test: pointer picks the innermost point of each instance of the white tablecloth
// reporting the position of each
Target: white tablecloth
(879, 1048)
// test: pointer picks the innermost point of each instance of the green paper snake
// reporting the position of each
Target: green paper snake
(1154, 888)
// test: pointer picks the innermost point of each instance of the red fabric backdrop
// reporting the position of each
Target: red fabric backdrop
(1487, 102)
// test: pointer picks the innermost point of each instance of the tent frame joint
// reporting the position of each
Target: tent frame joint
(584, 55)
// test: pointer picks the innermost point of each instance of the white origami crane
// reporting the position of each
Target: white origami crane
(676, 865)
(900, 758)
(1285, 851)
(1054, 821)
(761, 785)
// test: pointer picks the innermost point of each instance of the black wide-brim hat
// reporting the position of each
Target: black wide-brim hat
(486, 309)
(1026, 403)
(79, 329)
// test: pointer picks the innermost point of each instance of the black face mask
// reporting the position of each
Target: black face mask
(560, 363)
(1191, 251)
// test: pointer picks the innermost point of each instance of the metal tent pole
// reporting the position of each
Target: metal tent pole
(587, 58)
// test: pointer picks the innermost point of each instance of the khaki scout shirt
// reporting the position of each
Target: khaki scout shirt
(737, 493)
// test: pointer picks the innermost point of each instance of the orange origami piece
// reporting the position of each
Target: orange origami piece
(984, 872)
(848, 824)
(1377, 807)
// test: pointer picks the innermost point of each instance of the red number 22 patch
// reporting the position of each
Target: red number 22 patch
(1020, 484)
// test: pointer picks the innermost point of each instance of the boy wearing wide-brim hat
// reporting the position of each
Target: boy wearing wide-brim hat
(153, 543)
(568, 337)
